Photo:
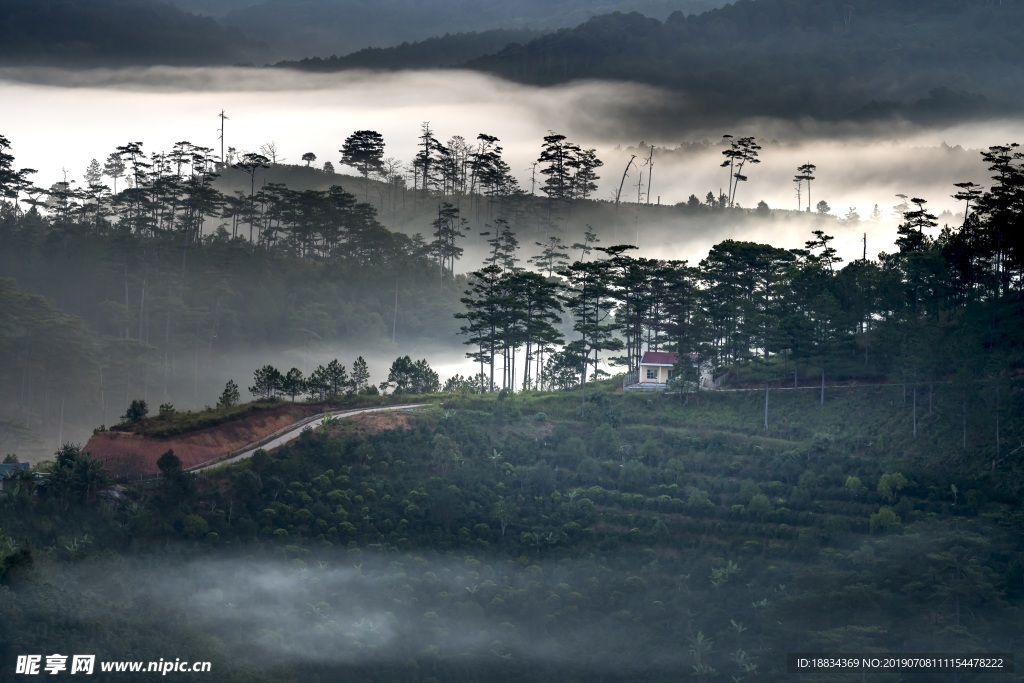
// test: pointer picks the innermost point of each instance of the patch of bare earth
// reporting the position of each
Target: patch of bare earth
(366, 424)
(132, 455)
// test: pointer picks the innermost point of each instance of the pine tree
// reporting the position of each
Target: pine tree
(230, 396)
(360, 376)
(267, 382)
(448, 228)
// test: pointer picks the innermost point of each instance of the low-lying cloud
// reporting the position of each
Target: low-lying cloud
(860, 164)
(343, 609)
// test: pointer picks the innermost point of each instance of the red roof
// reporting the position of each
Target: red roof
(659, 358)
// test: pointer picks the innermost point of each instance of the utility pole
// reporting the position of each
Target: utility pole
(223, 118)
(865, 257)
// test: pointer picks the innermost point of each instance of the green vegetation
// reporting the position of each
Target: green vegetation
(678, 531)
(182, 422)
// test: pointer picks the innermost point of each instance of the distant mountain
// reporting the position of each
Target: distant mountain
(212, 8)
(298, 29)
(116, 33)
(928, 58)
(448, 50)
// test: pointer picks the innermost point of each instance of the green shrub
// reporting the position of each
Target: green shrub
(884, 520)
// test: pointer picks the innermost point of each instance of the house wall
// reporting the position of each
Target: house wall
(661, 373)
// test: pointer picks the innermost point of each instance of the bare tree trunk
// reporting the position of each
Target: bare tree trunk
(127, 332)
(103, 397)
(650, 173)
(394, 319)
(996, 459)
(766, 407)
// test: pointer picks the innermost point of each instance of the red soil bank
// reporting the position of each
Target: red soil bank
(132, 455)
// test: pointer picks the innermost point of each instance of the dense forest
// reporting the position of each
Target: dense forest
(159, 285)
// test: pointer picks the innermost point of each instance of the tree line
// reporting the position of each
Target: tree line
(761, 309)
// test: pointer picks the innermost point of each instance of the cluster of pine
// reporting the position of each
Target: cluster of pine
(157, 281)
(943, 307)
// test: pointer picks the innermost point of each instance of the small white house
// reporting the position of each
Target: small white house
(657, 367)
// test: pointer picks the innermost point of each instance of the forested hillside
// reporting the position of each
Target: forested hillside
(529, 537)
(928, 61)
(168, 288)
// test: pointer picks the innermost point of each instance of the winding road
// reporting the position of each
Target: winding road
(290, 433)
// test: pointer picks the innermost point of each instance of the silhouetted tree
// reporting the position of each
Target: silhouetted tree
(805, 173)
(740, 153)
(230, 396)
(138, 410)
(364, 151)
(267, 382)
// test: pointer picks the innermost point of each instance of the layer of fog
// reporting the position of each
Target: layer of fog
(60, 120)
(342, 608)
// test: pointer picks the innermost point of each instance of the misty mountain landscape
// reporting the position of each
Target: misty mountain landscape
(632, 340)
